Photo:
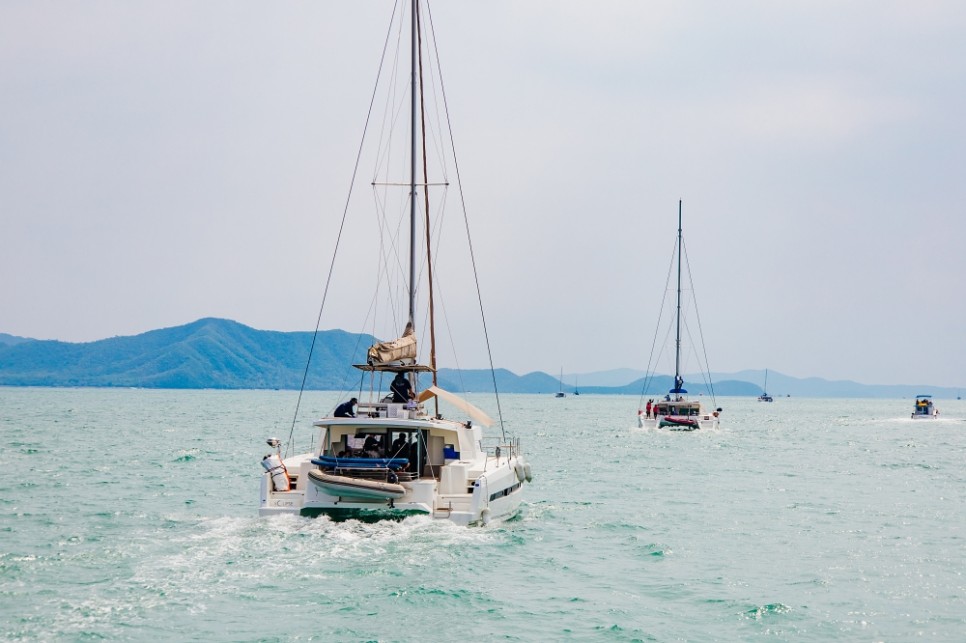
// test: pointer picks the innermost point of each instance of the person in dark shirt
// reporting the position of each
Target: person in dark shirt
(371, 447)
(400, 447)
(345, 409)
(402, 390)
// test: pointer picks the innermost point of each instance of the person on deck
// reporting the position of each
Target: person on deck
(400, 447)
(371, 447)
(648, 409)
(402, 390)
(345, 409)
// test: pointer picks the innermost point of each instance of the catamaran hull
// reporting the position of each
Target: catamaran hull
(703, 423)
(495, 496)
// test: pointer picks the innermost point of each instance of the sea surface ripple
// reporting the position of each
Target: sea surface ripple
(132, 515)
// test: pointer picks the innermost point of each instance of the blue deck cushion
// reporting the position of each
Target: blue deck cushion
(360, 463)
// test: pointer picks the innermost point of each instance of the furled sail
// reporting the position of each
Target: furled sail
(475, 413)
(400, 351)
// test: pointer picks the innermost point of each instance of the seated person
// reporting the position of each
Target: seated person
(371, 447)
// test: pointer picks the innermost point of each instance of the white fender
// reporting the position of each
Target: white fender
(486, 515)
(274, 465)
(527, 472)
(521, 472)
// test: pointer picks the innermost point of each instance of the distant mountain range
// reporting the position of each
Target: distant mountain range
(208, 353)
(223, 354)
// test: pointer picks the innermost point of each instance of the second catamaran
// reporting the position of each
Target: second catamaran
(676, 411)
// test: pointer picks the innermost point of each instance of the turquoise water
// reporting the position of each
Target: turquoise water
(131, 515)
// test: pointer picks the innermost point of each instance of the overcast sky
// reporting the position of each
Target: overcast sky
(166, 161)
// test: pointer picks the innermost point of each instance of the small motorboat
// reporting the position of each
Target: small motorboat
(924, 408)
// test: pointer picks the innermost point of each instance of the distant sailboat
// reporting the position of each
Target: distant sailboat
(676, 412)
(560, 393)
(765, 397)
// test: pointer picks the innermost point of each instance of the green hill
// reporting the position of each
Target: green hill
(208, 353)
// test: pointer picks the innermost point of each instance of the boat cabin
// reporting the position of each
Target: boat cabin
(678, 406)
(924, 406)
(420, 448)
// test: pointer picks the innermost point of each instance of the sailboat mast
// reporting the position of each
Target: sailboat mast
(677, 342)
(429, 245)
(412, 174)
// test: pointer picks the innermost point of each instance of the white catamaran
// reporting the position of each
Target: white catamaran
(394, 454)
(675, 411)
(765, 397)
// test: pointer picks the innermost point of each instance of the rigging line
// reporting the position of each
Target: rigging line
(649, 375)
(697, 314)
(437, 225)
(466, 222)
(388, 251)
(390, 116)
(664, 345)
(437, 141)
(442, 299)
(338, 239)
(705, 375)
(380, 196)
(438, 284)
(452, 341)
(372, 313)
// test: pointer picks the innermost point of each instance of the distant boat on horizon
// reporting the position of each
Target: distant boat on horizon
(765, 397)
(924, 408)
(560, 393)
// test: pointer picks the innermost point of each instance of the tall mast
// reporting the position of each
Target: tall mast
(678, 380)
(412, 174)
(429, 244)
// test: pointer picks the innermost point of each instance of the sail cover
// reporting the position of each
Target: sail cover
(475, 413)
(398, 351)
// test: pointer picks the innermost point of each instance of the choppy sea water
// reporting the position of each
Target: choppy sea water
(132, 515)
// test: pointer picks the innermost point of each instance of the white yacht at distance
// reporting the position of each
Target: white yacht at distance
(765, 397)
(676, 411)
